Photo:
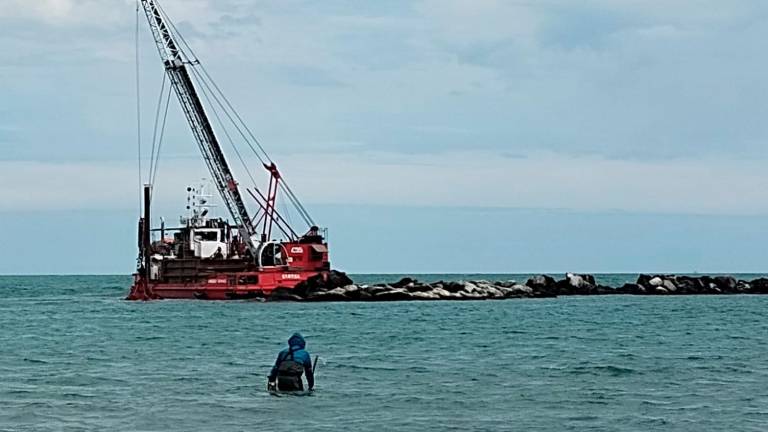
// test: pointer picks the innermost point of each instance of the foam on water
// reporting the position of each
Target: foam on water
(74, 356)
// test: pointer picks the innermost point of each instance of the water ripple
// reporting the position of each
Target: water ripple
(76, 357)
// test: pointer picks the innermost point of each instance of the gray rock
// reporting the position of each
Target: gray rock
(334, 295)
(660, 290)
(441, 292)
(758, 286)
(469, 287)
(669, 285)
(726, 283)
(634, 289)
(453, 287)
(418, 288)
(376, 289)
(396, 294)
(420, 295)
(522, 289)
(543, 286)
(540, 281)
(494, 292)
(743, 286)
(656, 282)
(339, 291)
(471, 295)
(580, 281)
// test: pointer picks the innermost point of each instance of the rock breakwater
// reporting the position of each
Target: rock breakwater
(337, 286)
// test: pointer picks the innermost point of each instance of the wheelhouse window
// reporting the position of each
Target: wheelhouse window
(207, 235)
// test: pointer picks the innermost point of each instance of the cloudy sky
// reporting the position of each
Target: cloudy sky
(450, 135)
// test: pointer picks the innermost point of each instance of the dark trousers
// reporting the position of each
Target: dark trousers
(289, 383)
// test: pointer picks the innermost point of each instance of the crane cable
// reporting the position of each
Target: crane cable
(157, 142)
(153, 177)
(224, 129)
(154, 132)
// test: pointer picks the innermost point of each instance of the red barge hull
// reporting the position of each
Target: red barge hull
(221, 286)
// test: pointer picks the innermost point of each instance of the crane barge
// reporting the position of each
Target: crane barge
(212, 258)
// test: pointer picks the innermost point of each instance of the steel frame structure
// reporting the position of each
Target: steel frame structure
(176, 67)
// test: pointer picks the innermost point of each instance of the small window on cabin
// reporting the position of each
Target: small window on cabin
(207, 235)
(315, 255)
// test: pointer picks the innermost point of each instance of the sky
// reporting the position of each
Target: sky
(427, 135)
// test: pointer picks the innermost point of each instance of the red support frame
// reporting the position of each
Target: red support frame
(271, 198)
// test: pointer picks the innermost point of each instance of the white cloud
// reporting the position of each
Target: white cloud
(46, 10)
(66, 12)
(730, 187)
(630, 79)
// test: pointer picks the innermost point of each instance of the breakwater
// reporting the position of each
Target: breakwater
(339, 287)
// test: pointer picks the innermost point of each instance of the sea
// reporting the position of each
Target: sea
(74, 356)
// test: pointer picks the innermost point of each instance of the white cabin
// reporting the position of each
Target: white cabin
(204, 242)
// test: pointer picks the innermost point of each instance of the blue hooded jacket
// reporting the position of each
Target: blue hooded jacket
(296, 345)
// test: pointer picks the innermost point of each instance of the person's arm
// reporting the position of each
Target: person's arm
(308, 371)
(273, 373)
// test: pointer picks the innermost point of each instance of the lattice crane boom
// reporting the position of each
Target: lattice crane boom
(176, 66)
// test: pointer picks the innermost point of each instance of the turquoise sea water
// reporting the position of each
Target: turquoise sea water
(75, 356)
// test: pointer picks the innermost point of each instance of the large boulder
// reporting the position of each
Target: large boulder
(690, 285)
(284, 294)
(466, 295)
(576, 284)
(669, 285)
(376, 289)
(518, 291)
(543, 286)
(417, 288)
(334, 295)
(743, 287)
(644, 280)
(447, 295)
(726, 284)
(578, 280)
(352, 292)
(759, 286)
(421, 295)
(632, 289)
(453, 287)
(322, 282)
(470, 287)
(338, 279)
(650, 283)
(541, 281)
(494, 292)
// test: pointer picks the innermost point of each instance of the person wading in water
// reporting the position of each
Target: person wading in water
(291, 363)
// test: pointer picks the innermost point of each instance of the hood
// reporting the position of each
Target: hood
(297, 341)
